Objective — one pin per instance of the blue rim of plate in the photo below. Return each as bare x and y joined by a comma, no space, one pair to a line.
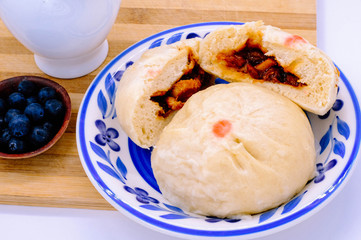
205,233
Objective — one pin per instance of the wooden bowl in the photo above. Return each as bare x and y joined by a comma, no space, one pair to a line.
8,86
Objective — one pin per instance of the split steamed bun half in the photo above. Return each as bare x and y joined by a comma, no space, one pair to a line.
156,86
272,58
234,149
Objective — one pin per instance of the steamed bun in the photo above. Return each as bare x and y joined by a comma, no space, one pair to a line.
234,149
293,53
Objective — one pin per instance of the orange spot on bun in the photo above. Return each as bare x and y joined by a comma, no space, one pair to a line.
222,128
294,39
152,73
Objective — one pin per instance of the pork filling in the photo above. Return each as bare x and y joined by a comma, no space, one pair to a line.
253,61
193,80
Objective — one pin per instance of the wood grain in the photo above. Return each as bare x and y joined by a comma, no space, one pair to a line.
56,178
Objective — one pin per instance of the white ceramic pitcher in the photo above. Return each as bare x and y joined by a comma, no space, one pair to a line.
67,37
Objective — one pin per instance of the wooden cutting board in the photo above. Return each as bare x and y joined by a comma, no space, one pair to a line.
56,178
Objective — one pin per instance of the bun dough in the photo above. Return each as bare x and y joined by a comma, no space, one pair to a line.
157,70
292,52
234,149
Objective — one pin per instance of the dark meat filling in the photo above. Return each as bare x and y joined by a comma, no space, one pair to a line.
191,82
253,61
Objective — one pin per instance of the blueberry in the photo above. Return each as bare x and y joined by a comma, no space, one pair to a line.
46,93
12,112
16,145
26,87
2,122
54,108
39,136
32,99
17,100
35,112
19,126
4,136
2,106
48,126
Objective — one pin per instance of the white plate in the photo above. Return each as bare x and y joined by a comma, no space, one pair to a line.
122,173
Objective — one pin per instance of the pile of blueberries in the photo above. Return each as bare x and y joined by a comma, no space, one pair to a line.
29,117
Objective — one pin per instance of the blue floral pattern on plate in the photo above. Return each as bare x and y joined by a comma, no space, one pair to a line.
121,171
106,136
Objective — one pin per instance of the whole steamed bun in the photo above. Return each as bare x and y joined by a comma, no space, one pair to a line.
234,149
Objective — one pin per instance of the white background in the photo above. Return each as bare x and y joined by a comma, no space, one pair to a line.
339,35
